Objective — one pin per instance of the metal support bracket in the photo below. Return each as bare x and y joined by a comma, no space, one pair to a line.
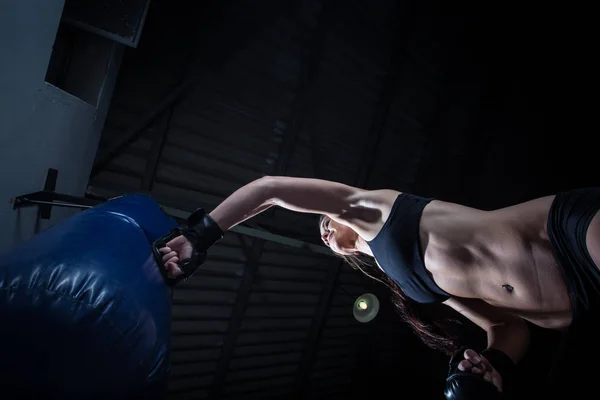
48,198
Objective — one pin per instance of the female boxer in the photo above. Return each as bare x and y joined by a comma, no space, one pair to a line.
534,261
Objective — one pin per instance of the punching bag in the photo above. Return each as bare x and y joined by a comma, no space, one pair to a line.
84,310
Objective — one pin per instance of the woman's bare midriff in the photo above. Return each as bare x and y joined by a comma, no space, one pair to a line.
503,257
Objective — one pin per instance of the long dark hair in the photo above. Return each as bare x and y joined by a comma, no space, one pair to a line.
436,334
427,321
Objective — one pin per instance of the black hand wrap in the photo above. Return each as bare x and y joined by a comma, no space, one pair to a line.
462,385
202,232
505,367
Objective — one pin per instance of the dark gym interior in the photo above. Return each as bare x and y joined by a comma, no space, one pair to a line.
483,105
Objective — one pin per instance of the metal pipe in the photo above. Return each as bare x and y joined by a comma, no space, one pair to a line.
54,203
257,233
180,214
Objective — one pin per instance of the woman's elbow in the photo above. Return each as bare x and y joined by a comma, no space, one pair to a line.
268,186
512,336
516,326
522,330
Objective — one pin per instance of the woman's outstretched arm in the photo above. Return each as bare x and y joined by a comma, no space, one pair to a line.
362,210
357,208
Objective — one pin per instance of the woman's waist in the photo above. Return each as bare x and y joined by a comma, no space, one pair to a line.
528,280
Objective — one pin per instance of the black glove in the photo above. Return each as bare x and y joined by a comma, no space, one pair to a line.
461,385
202,232
505,367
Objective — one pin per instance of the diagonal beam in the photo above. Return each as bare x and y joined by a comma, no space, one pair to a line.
305,91
237,316
374,137
314,155
135,130
160,137
316,330
382,110
162,128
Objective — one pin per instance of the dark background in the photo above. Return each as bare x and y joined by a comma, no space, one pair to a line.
486,106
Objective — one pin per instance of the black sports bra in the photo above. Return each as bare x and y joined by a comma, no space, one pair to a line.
397,249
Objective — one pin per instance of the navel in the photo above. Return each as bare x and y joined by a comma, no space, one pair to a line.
509,288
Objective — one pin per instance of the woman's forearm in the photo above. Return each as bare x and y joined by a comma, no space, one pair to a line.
243,204
304,195
512,338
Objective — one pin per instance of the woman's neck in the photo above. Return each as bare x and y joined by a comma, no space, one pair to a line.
363,247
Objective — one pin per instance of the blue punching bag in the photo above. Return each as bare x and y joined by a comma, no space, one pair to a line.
84,310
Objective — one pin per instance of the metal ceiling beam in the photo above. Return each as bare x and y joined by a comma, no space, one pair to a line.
237,316
305,90
260,234
380,115
135,130
163,124
316,330
160,137
382,110
50,199
322,308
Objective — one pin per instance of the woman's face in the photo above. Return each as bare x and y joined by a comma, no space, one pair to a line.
338,237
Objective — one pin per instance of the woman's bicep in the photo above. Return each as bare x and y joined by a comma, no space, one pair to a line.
334,199
359,208
312,195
